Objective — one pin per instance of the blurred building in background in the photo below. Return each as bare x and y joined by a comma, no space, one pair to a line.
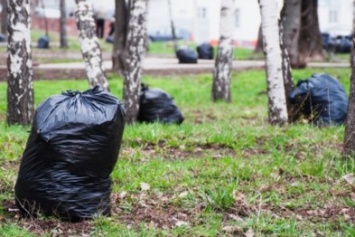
198,20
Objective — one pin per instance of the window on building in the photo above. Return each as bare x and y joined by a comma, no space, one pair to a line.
333,16
202,12
237,17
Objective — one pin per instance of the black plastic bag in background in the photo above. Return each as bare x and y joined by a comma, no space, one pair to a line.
43,42
186,55
205,51
70,153
322,99
157,106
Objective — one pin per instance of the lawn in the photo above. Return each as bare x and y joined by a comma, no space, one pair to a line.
223,172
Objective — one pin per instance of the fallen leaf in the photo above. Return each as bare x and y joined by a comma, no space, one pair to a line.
183,194
123,194
249,233
238,196
349,178
145,186
181,223
235,217
232,229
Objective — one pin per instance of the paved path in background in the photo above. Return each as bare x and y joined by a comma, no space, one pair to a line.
172,63
151,66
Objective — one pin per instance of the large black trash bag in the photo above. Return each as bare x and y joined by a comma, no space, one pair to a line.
186,55
205,51
70,153
43,42
3,38
157,106
322,99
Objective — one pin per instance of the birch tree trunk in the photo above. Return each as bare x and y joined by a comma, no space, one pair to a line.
259,42
293,113
224,59
173,34
63,25
19,64
89,42
349,139
120,34
3,17
273,55
45,18
134,55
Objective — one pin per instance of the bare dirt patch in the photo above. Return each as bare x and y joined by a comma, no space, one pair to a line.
182,153
40,227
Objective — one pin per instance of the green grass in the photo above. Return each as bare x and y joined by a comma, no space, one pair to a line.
225,166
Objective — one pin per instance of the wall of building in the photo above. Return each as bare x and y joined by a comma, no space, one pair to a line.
201,18
335,17
53,25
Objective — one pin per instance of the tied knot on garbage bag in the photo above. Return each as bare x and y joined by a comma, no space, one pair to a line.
321,99
71,151
157,106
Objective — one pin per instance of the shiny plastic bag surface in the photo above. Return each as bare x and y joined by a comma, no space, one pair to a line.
70,153
322,99
157,106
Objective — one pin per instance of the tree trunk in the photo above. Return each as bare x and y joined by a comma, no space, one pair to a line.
224,59
276,90
45,18
310,43
120,34
63,25
3,17
133,57
349,139
90,47
173,34
291,21
19,64
293,113
259,42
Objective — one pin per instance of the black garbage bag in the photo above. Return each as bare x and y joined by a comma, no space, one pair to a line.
186,55
157,106
3,38
322,99
109,39
205,51
43,42
70,153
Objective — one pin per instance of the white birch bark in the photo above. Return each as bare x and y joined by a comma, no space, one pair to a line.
133,57
224,59
89,43
19,64
271,42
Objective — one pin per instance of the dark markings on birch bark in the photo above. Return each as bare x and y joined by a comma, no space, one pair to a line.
133,55
19,63
293,113
90,47
224,59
